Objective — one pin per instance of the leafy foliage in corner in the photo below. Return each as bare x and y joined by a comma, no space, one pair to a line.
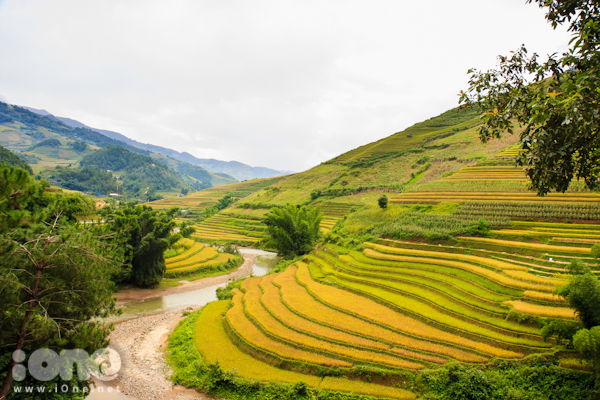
293,230
558,107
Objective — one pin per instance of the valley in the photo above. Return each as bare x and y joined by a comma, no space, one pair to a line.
458,272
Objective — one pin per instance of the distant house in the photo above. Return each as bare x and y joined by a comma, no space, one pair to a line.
409,135
114,194
100,203
184,211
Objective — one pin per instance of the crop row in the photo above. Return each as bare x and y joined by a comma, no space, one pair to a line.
299,301
537,246
481,271
205,254
214,345
467,282
541,311
417,281
274,328
365,307
195,249
458,320
219,260
272,302
251,334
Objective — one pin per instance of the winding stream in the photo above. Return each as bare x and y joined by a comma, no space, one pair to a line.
264,263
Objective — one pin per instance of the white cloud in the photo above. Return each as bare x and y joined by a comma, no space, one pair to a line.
282,84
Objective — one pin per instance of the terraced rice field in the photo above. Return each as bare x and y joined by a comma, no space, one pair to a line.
488,173
391,307
193,260
214,344
202,199
591,199
222,227
333,212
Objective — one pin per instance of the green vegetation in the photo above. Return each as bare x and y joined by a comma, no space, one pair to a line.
55,273
145,234
293,230
47,143
10,159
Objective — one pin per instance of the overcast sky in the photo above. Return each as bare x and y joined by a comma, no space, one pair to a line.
280,84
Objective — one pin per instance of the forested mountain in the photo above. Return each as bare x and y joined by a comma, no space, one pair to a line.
238,170
47,143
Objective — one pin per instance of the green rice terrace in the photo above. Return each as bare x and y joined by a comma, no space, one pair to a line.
393,294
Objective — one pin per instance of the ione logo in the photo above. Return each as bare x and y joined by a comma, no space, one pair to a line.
46,364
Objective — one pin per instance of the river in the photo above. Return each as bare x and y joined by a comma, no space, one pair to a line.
264,262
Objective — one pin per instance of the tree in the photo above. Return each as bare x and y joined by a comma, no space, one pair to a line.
383,201
583,294
556,101
145,234
55,275
587,343
293,230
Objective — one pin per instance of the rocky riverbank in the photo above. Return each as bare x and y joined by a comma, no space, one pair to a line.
144,373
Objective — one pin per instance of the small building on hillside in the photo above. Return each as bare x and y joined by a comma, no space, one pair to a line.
100,203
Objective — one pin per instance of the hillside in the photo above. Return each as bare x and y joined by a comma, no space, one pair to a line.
236,169
455,279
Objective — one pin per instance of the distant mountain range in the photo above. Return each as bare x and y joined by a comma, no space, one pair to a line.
238,170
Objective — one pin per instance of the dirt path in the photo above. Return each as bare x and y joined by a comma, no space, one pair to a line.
134,294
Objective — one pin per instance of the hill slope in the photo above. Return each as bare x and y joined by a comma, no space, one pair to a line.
454,278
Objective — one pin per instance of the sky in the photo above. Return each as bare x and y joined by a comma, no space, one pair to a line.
279,84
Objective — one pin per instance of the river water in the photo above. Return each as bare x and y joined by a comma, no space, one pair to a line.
264,263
